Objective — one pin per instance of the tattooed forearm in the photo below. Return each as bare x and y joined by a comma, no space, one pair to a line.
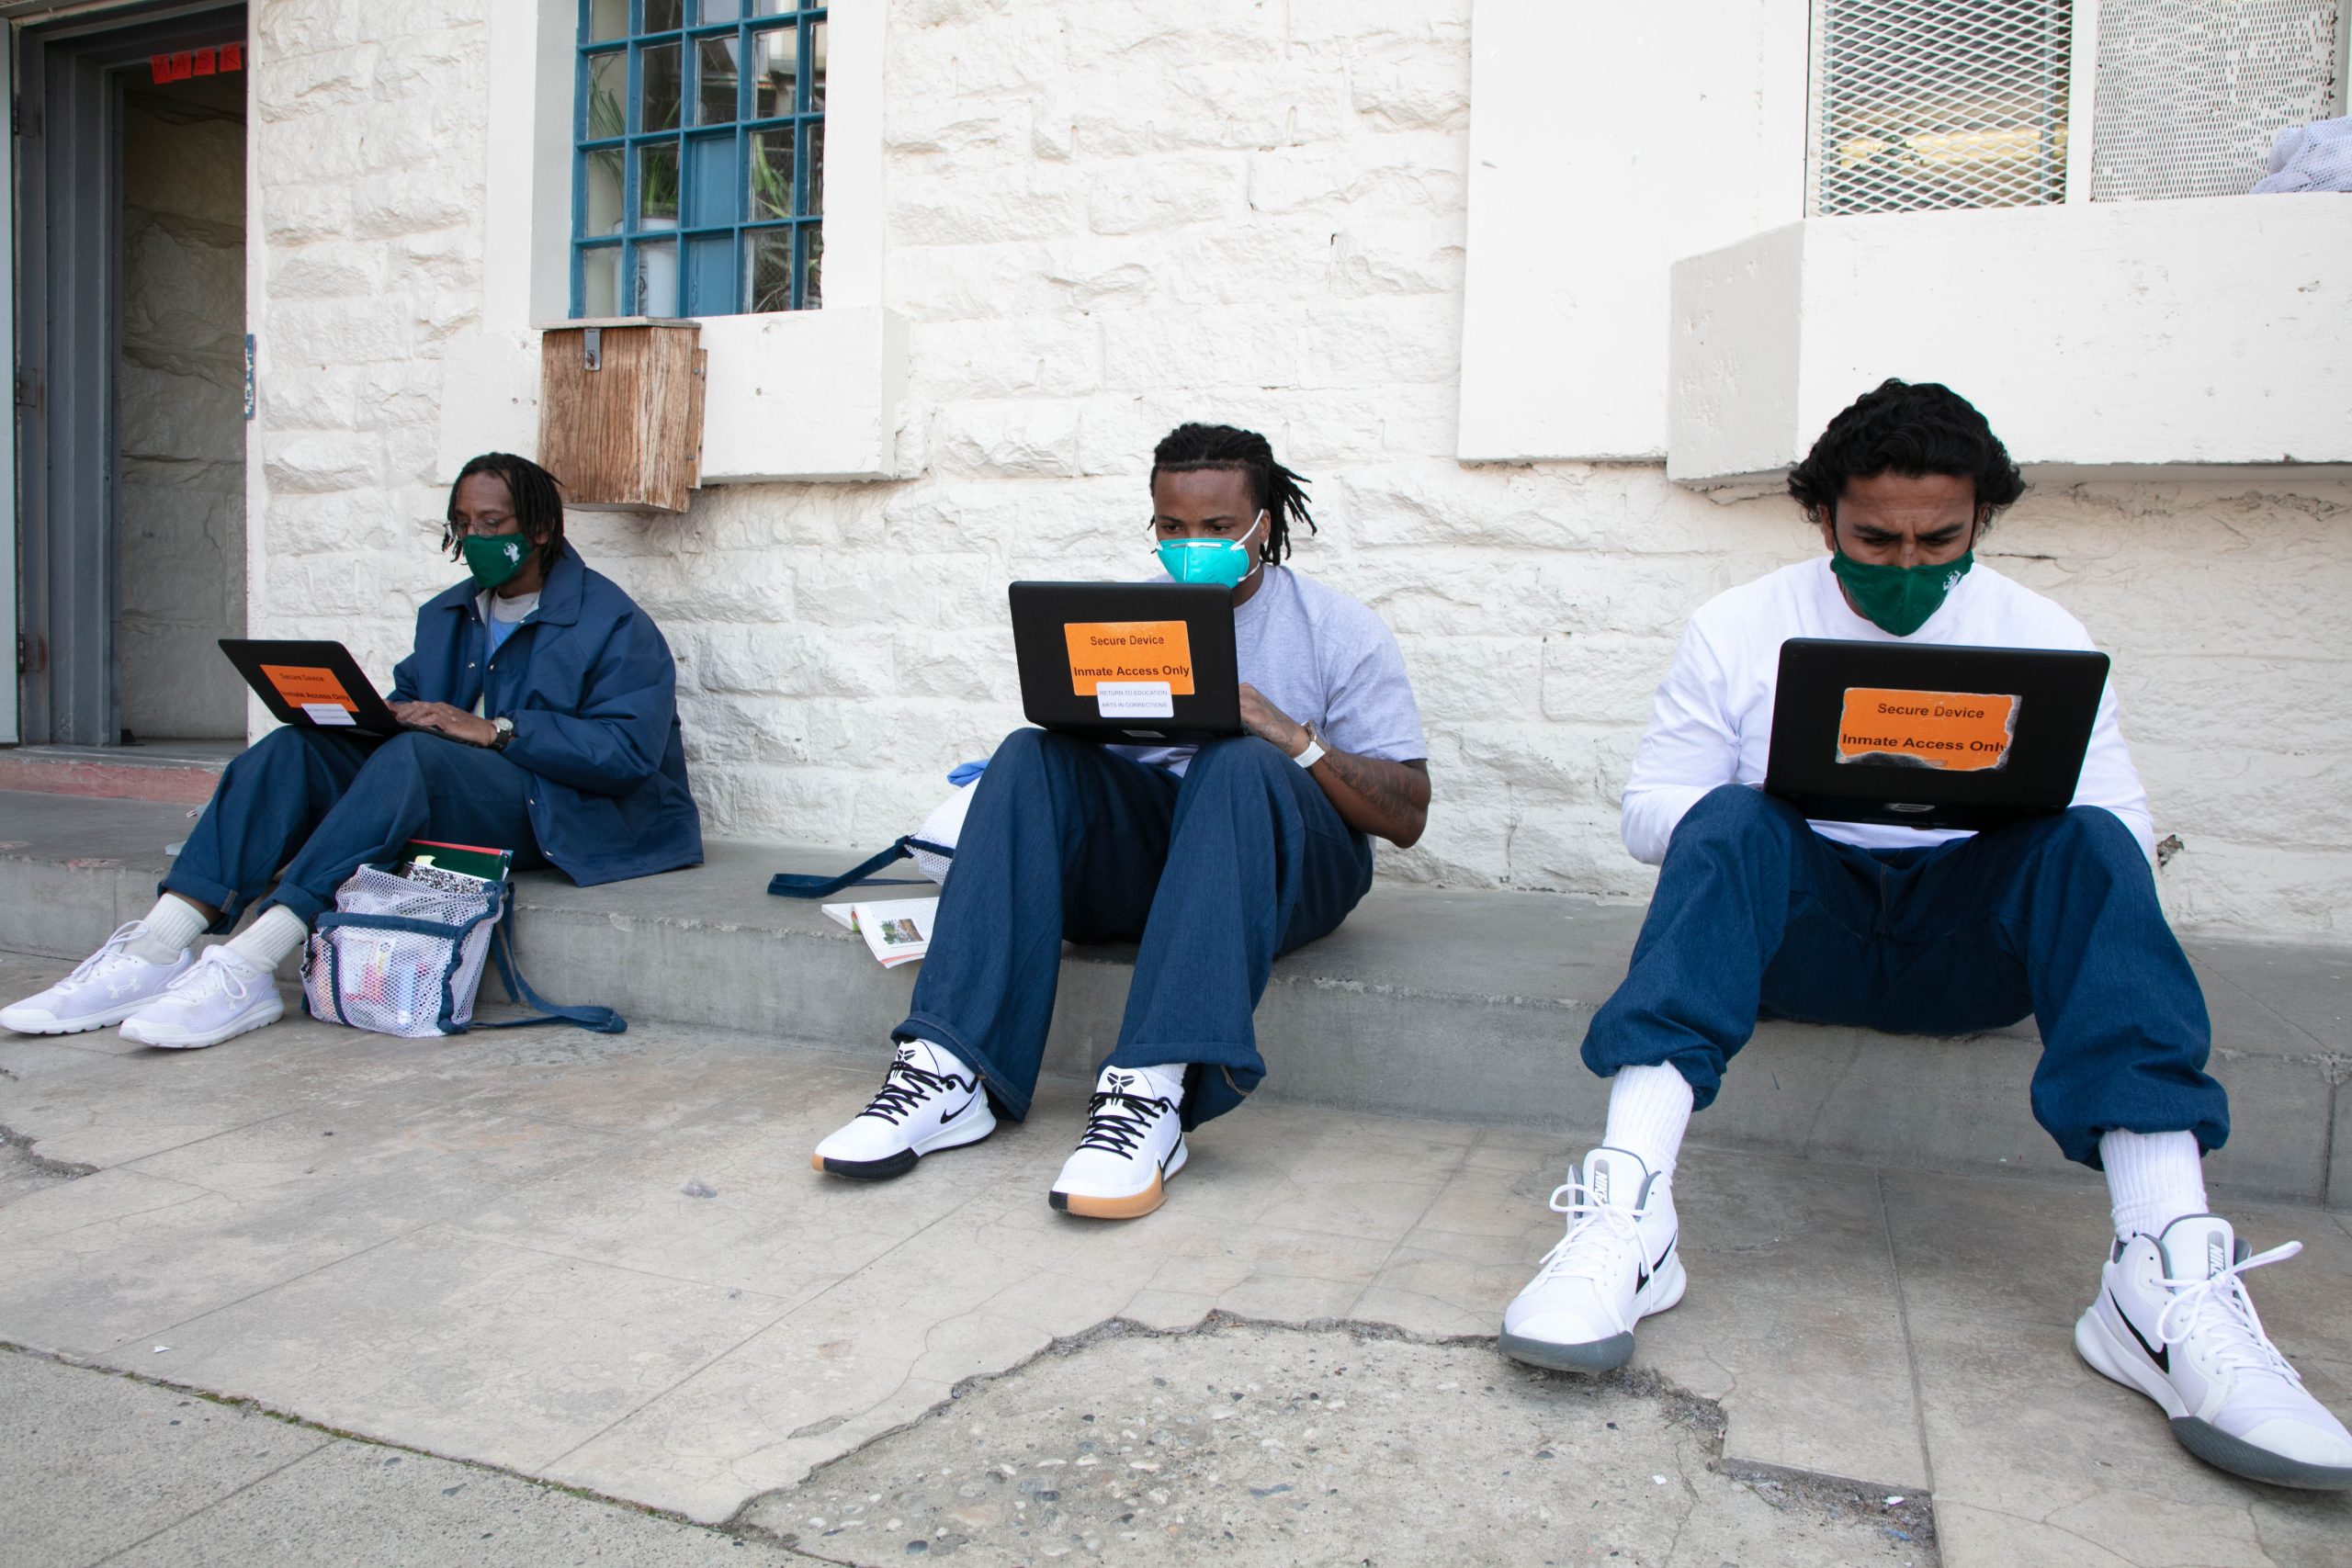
1395,795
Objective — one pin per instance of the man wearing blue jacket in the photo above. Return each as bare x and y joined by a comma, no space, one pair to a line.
545,715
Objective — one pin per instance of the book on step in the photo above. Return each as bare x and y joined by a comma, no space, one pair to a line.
897,930
456,868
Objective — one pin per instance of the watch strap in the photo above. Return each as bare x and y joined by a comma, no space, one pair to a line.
1314,752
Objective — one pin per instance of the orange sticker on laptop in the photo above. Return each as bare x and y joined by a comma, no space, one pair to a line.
300,683
1129,650
1958,732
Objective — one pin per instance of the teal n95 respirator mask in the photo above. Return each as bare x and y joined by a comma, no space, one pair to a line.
1223,562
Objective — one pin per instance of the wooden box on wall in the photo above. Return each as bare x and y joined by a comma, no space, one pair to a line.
620,413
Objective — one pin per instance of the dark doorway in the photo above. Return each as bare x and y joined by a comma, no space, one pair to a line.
131,172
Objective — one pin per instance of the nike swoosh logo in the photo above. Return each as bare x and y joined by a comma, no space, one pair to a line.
2163,1358
954,1114
1642,1274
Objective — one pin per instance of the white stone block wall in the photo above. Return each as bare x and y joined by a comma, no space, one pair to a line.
1108,216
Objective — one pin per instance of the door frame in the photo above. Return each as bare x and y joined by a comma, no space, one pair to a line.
64,261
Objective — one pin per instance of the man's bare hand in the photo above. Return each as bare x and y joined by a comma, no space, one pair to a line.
1269,723
443,719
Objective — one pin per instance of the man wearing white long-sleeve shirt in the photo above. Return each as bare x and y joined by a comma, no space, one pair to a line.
1759,912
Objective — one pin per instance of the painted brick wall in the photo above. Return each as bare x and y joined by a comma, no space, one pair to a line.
1108,216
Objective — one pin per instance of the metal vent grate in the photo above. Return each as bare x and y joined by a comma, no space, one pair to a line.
2190,92
1919,103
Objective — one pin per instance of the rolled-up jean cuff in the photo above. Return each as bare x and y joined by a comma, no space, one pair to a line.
1011,1099
228,900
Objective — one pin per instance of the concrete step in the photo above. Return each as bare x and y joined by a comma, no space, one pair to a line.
1427,1002
174,771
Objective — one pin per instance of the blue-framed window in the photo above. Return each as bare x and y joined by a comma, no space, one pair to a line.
698,180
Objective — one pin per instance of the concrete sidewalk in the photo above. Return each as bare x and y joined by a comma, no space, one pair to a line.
490,1249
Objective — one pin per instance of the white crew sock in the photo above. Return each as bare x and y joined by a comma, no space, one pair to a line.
1648,1110
168,930
1168,1082
271,939
2152,1178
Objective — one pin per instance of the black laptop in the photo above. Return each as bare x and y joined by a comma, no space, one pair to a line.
314,683
1142,663
1920,735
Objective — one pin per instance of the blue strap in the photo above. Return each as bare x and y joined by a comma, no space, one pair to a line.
794,885
596,1019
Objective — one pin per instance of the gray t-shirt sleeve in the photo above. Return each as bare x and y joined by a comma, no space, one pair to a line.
1369,707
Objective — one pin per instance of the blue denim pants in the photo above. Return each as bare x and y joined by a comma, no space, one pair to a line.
318,804
1757,915
1214,875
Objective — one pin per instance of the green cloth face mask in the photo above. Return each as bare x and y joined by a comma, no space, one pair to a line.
1899,599
494,558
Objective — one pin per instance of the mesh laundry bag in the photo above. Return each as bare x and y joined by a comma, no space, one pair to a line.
2316,157
403,957
931,847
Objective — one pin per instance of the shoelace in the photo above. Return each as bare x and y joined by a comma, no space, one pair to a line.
215,973
894,1099
1108,1130
2218,1301
104,959
1597,1233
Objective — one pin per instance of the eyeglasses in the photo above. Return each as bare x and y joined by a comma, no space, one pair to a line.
481,526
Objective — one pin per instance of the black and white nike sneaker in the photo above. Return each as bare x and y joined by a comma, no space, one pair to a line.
1133,1142
1616,1266
2174,1321
929,1101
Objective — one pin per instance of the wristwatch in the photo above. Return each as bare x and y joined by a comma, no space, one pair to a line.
505,728
1314,752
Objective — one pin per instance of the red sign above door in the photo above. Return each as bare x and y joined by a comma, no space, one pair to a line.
188,62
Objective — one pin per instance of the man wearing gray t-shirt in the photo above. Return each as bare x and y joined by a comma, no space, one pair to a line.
1213,860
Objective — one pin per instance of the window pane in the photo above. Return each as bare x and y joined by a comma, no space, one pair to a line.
774,7
710,276
658,83
600,195
768,269
775,64
811,296
719,11
607,19
714,183
715,74
772,174
607,93
657,186
816,169
664,16
600,281
657,278
816,65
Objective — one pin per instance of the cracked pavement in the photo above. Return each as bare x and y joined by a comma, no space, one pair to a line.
485,1249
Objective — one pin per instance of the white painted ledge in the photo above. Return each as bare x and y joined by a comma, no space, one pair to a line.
2135,340
804,395
809,395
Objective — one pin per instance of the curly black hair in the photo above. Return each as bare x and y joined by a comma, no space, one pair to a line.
537,496
1282,493
1910,429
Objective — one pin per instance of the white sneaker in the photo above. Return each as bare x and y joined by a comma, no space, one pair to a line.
1616,1266
1133,1142
104,990
218,997
2174,1321
929,1101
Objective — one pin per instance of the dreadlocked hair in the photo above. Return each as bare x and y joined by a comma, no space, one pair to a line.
1283,495
536,496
